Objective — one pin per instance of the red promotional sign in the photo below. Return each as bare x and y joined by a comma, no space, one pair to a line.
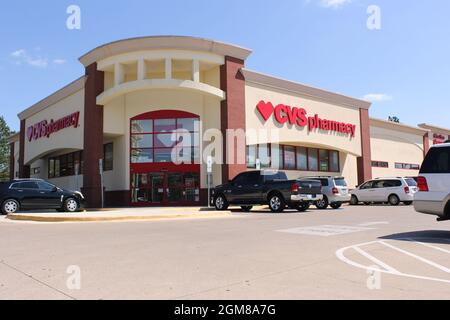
298,116
45,129
438,139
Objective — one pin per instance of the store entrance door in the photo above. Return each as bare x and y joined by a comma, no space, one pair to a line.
165,188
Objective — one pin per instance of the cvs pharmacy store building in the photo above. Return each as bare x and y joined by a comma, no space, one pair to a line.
136,92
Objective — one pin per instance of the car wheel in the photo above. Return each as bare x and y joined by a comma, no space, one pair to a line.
354,200
322,204
276,203
246,208
394,200
71,205
408,203
336,205
221,203
10,206
302,207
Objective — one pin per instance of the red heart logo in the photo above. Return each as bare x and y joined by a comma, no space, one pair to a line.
30,134
265,109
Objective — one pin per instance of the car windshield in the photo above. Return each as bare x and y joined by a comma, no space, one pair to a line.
411,182
340,182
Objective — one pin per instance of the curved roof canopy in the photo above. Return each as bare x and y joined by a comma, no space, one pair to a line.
163,42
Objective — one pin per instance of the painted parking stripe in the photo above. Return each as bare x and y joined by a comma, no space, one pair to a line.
375,260
340,254
369,224
431,263
430,246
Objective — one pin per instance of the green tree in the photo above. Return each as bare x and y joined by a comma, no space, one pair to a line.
5,132
394,119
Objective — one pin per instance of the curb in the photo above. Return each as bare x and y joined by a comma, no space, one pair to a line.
37,218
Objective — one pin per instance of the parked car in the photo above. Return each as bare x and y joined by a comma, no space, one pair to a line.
29,194
335,192
267,188
391,190
434,183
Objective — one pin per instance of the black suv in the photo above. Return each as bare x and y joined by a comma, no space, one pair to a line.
29,194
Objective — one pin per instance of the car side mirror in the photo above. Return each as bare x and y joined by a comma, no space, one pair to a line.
55,189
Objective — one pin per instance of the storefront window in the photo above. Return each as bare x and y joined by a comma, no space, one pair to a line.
277,156
141,126
168,141
264,155
302,159
289,158
324,157
251,157
165,125
313,159
334,161
65,165
108,156
142,140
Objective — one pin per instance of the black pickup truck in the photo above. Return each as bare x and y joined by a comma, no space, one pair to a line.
268,187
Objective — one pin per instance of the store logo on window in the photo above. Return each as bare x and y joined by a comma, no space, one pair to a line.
283,114
45,128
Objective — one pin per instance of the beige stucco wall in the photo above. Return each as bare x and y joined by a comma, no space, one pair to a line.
350,148
117,115
68,138
393,146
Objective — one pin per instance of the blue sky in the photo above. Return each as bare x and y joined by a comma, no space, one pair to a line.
404,67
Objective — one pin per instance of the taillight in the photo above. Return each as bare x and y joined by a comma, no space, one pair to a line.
406,189
422,184
295,187
335,191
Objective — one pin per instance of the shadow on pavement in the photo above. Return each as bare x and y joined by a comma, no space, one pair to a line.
431,236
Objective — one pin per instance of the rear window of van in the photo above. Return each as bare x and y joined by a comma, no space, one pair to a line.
437,161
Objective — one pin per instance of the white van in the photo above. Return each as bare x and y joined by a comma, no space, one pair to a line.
434,183
391,190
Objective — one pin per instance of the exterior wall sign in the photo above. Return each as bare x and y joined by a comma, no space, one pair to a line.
45,128
298,116
438,139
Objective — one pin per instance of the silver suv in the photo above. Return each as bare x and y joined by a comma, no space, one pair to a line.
434,183
335,192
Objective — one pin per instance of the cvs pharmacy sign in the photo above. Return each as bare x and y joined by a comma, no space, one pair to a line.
283,114
46,128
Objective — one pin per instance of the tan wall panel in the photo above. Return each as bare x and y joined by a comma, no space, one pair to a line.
395,146
68,138
293,134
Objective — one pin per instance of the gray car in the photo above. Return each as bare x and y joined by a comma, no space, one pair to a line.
335,192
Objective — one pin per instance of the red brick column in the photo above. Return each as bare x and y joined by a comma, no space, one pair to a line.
11,161
24,171
426,143
364,162
232,110
93,137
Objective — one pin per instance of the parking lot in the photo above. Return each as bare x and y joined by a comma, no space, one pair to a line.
361,252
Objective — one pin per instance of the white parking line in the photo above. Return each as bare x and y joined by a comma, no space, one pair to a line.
368,224
375,260
389,270
429,246
431,263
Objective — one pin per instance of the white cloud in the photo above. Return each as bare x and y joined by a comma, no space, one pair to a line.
59,61
21,56
377,97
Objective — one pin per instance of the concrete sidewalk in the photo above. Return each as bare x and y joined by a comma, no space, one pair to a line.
119,214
